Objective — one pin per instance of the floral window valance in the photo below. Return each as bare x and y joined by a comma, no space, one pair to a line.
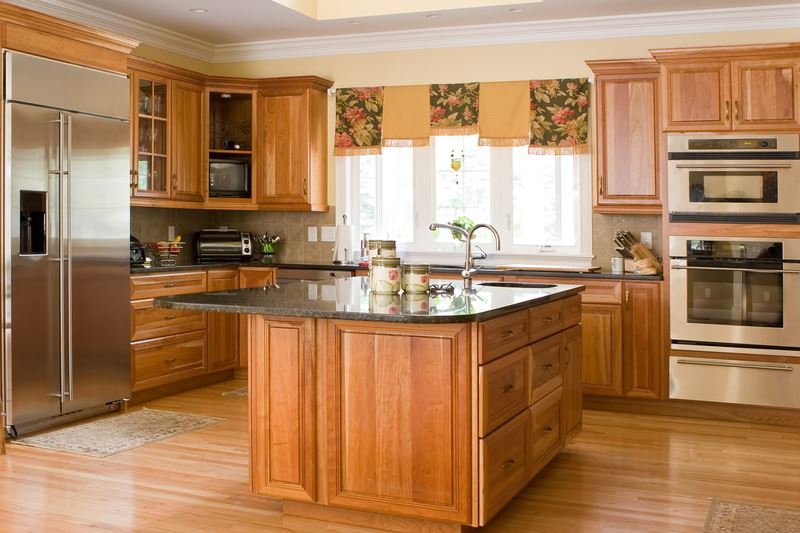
558,117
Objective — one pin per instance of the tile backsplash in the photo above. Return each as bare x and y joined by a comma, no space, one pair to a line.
150,224
604,226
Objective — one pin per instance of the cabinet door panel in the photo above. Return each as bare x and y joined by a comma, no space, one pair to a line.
628,141
186,135
281,385
223,328
766,94
398,403
696,96
149,131
250,277
642,343
602,349
573,395
285,149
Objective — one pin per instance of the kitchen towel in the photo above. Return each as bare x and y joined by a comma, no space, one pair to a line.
343,246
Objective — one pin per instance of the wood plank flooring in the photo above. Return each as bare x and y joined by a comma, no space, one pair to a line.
625,472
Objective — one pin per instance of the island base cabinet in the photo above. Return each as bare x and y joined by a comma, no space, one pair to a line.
398,403
281,385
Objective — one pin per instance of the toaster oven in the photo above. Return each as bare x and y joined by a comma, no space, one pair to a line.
212,245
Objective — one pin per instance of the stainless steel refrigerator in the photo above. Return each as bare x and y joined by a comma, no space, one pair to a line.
66,224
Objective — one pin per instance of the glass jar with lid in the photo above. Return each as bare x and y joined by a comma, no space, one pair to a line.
384,275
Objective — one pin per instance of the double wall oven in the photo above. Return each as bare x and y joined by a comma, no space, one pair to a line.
735,300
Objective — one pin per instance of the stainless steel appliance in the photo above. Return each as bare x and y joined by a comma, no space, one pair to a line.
228,178
740,294
734,178
66,228
223,245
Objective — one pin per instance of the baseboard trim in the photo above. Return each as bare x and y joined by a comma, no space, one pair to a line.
180,386
691,409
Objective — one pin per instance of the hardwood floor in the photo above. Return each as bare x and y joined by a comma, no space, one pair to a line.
625,472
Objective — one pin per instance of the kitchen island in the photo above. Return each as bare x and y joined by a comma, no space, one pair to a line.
410,412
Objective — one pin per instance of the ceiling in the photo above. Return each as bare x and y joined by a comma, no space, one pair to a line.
244,21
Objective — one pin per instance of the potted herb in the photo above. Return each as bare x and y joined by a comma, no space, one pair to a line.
267,245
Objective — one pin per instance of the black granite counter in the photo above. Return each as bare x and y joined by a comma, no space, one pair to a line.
351,299
438,269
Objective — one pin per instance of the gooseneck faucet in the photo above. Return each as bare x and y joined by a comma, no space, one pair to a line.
469,261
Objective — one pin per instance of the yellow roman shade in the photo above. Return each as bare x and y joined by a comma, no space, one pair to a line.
406,115
505,114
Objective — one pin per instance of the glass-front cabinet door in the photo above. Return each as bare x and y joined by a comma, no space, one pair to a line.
150,129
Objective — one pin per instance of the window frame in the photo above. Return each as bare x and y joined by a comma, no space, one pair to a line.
425,248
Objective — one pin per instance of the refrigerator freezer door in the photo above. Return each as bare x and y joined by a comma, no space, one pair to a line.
98,270
33,289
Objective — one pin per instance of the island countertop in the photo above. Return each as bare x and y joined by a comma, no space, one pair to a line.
351,299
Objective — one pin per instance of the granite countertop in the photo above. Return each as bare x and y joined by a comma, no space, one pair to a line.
441,269
351,299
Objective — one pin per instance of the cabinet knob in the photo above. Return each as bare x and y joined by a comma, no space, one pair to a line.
547,430
508,463
547,366
600,185
736,109
170,360
508,388
727,110
627,297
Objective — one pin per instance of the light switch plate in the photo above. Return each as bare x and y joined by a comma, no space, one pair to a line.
170,233
328,234
647,238
312,234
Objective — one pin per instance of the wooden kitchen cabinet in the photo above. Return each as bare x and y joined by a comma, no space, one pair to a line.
628,147
149,133
602,349
223,328
292,140
571,369
282,391
186,162
733,88
642,340
250,277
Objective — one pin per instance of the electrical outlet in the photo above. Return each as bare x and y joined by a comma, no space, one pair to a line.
312,234
328,234
170,233
647,238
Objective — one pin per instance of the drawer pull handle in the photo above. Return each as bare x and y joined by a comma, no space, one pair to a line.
507,333
169,285
508,388
171,360
547,430
548,319
508,463
547,366
170,317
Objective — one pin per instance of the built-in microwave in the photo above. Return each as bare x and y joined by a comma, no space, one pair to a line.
734,178
228,178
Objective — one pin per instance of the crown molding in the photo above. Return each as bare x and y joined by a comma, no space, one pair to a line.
671,23
143,32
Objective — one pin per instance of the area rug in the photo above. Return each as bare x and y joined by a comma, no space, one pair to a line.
115,434
732,517
238,393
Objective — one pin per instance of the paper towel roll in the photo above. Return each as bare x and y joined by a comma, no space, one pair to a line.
344,243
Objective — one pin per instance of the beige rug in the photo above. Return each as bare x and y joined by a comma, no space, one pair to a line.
115,434
732,517
237,393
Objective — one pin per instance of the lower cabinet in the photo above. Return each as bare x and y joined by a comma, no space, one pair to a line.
602,349
223,328
168,359
250,277
571,367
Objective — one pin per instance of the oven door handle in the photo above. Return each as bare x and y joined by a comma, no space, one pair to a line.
733,167
757,366
755,270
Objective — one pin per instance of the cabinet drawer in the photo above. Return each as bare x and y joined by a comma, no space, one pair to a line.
503,464
546,433
149,322
503,389
602,292
571,311
154,285
545,370
545,320
168,359
503,335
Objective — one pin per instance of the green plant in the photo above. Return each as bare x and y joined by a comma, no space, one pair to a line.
463,222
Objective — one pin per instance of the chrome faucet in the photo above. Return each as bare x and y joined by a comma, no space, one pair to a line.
469,261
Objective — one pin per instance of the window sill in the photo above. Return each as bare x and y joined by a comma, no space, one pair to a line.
496,259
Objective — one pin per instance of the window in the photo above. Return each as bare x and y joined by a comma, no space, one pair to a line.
538,203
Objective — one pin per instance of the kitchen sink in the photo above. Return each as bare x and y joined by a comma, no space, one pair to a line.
518,284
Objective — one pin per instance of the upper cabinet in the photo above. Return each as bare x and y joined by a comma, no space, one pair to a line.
628,146
292,140
167,153
739,88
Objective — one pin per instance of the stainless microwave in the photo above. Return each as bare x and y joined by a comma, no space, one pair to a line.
228,178
734,178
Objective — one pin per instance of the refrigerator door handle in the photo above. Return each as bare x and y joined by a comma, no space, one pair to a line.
68,278
61,256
